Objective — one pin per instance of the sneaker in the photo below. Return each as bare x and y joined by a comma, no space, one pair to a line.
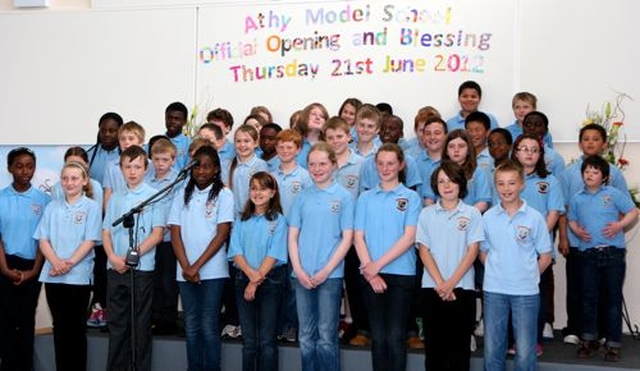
571,339
539,350
290,335
231,332
359,340
472,345
547,331
588,349
612,354
98,317
479,331
414,342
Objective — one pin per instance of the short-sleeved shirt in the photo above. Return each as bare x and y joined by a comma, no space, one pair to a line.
457,122
291,186
182,143
374,149
113,178
198,223
484,160
20,213
304,152
516,130
479,188
553,160
241,177
227,151
66,227
370,179
448,234
426,167
273,163
383,216
321,216
151,217
100,160
513,244
164,202
57,193
594,210
348,175
258,238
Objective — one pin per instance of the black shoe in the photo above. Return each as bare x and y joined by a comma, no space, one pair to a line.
612,354
588,348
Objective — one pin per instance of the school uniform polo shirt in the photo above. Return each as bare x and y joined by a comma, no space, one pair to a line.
553,160
513,244
113,178
100,161
484,160
57,193
426,167
67,226
20,213
198,223
479,188
273,163
151,217
182,143
370,179
593,211
321,216
348,175
227,152
383,216
164,202
257,238
241,177
291,185
447,235
457,122
516,131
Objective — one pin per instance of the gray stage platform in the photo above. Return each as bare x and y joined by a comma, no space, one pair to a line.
169,355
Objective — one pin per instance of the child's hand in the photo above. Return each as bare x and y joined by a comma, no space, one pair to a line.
58,267
26,276
611,229
12,274
305,280
191,274
250,292
369,270
378,284
118,263
255,276
582,234
319,278
445,290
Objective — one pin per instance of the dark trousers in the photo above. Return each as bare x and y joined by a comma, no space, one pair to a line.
119,309
230,315
99,277
68,304
17,318
354,294
388,313
448,326
573,267
165,287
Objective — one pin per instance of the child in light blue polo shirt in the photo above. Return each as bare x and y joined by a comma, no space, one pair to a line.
106,150
595,217
292,178
68,232
175,117
320,234
517,248
434,135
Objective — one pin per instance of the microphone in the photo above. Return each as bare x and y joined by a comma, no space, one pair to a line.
195,162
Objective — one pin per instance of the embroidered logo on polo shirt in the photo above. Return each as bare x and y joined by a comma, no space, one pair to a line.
606,200
334,207
272,227
463,223
401,203
522,233
209,207
79,217
296,187
36,209
542,187
352,181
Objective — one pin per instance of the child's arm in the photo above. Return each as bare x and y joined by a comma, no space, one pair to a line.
222,233
12,274
430,265
58,266
563,236
445,289
117,262
544,260
336,258
80,252
32,273
180,252
267,264
579,231
482,206
106,196
404,243
149,243
552,219
612,228
377,283
294,257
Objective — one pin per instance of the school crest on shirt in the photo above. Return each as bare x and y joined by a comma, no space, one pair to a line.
606,200
334,207
272,227
542,187
463,223
36,209
522,233
79,217
401,203
296,187
209,208
352,181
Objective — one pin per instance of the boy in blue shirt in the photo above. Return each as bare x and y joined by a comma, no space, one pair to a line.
149,226
175,117
224,120
594,216
517,248
469,97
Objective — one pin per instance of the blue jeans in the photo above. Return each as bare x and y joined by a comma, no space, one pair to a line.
603,272
319,316
388,314
524,312
201,304
259,319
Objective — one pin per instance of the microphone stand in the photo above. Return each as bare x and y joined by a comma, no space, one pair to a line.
133,254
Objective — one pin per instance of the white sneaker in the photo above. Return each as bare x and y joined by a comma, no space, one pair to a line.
547,331
473,345
230,331
571,339
479,331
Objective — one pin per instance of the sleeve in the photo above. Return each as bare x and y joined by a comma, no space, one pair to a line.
485,245
225,206
543,240
413,175
43,230
295,216
94,219
555,201
348,211
106,181
109,216
235,242
422,229
361,210
482,186
277,248
476,228
176,208
618,180
415,205
623,201
573,208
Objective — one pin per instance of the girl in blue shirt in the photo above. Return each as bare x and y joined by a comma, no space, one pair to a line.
385,229
259,251
320,234
21,207
200,221
67,233
106,149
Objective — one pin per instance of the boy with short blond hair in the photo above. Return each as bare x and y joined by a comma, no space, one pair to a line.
129,134
523,103
368,119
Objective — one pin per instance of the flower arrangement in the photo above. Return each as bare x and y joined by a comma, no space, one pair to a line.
611,117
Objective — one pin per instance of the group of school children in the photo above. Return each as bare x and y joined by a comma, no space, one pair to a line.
281,221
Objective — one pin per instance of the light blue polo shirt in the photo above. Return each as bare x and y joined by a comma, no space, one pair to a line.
182,143
457,122
291,186
426,167
198,223
447,235
348,175
593,211
543,194
66,227
383,216
273,163
484,160
572,183
227,152
241,180
257,238
164,202
513,245
20,213
321,216
101,160
151,217
479,188
516,131
57,193
113,178
554,162
374,149
304,152
370,179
